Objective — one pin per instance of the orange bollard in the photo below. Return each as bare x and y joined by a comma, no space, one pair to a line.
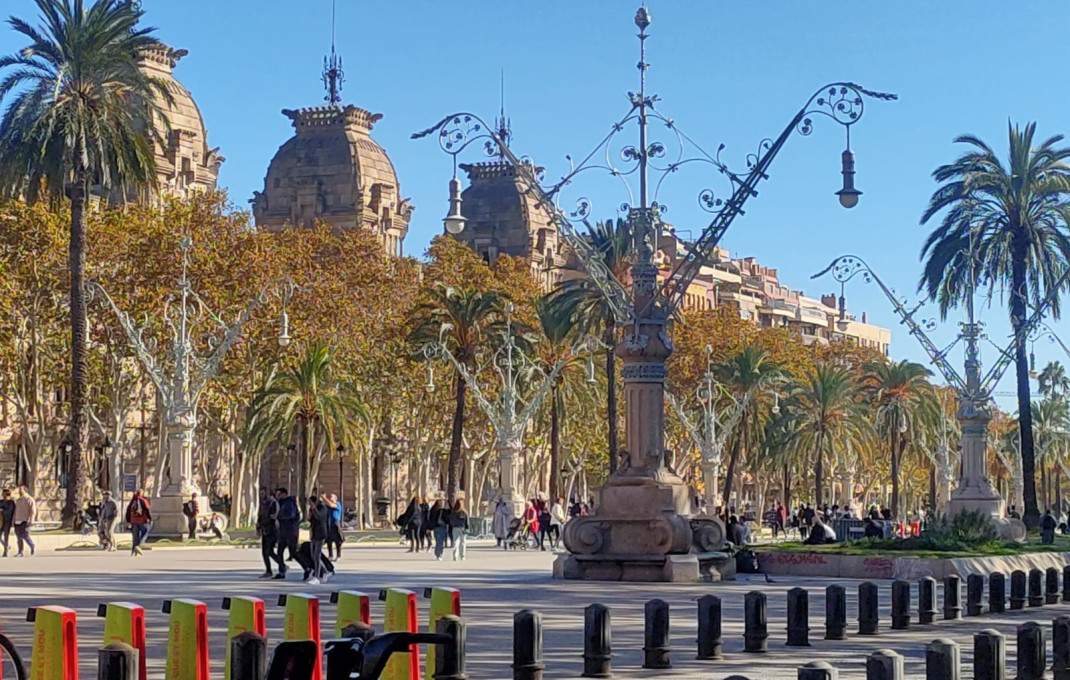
187,640
444,602
246,616
302,622
55,643
125,622
353,607
401,617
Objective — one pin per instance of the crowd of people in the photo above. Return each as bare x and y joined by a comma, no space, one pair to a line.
278,524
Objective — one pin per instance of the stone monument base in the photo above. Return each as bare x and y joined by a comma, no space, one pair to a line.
1009,529
167,518
639,568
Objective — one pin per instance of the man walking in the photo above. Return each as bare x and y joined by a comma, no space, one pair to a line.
25,516
7,518
109,512
289,519
319,524
191,509
267,527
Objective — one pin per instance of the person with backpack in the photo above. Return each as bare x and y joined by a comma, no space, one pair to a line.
459,524
139,517
106,516
439,520
267,528
319,524
289,519
191,509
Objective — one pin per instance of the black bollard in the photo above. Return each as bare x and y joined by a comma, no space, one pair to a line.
1051,586
798,618
926,600
1032,653
952,598
248,656
884,664
450,661
709,628
1060,648
1018,586
989,655
975,590
755,623
1066,583
527,645
835,613
868,608
997,592
900,605
656,635
1036,588
818,670
942,660
597,642
117,661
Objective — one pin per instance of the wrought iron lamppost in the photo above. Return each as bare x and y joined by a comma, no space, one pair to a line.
508,413
645,508
181,384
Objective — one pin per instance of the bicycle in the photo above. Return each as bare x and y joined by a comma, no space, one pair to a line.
8,649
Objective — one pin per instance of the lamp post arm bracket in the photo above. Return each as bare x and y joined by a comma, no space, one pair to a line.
135,337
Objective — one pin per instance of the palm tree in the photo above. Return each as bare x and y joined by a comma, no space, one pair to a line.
903,402
1053,381
460,320
77,116
310,401
745,375
1051,421
559,346
827,411
584,302
1003,226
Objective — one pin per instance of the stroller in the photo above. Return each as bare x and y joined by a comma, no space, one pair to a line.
520,535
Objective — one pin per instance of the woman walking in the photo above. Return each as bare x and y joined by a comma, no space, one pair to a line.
334,531
557,523
499,526
138,516
439,517
459,524
411,525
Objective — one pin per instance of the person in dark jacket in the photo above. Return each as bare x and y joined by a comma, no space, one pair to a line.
334,536
459,524
319,525
1048,525
267,528
425,512
410,523
7,518
308,564
289,527
439,518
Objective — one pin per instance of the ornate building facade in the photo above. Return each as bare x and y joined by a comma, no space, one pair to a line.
333,171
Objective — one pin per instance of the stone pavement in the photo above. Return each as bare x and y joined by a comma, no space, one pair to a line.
494,584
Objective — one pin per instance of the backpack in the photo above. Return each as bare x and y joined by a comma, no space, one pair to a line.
747,562
288,510
187,509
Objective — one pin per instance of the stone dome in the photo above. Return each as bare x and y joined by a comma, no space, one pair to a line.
333,171
186,162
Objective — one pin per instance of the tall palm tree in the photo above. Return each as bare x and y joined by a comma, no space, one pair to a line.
1053,381
584,302
77,115
308,400
1051,421
745,374
903,402
1003,226
827,411
461,320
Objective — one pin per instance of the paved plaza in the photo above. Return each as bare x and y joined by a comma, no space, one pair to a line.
494,586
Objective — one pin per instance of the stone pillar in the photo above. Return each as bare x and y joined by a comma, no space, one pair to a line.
835,613
1018,589
527,645
989,655
1066,583
884,664
656,635
798,618
975,588
709,628
167,518
868,608
952,598
755,626
818,670
974,491
926,600
1051,586
709,483
900,605
597,642
997,592
1036,588
508,478
1032,652
1060,648
942,660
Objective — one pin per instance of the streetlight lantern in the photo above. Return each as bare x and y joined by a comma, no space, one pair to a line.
454,222
848,194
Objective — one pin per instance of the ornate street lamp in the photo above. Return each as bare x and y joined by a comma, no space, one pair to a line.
181,385
645,508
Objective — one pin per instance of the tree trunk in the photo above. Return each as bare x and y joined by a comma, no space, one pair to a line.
556,406
610,339
895,470
733,460
932,488
787,486
76,473
819,469
1031,515
1043,486
453,465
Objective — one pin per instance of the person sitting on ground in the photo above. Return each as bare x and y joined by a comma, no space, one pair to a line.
820,534
871,529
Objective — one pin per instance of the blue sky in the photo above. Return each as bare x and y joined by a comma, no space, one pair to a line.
731,72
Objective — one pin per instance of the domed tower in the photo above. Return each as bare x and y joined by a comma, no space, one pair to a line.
185,163
334,172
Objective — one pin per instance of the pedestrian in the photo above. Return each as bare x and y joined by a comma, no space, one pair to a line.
334,531
499,525
138,516
191,509
425,523
544,523
557,523
573,508
1048,524
106,516
780,521
411,525
531,520
289,519
7,518
267,528
439,520
308,564
25,516
319,527
459,524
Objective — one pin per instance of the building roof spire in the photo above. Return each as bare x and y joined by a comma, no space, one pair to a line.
502,123
333,75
